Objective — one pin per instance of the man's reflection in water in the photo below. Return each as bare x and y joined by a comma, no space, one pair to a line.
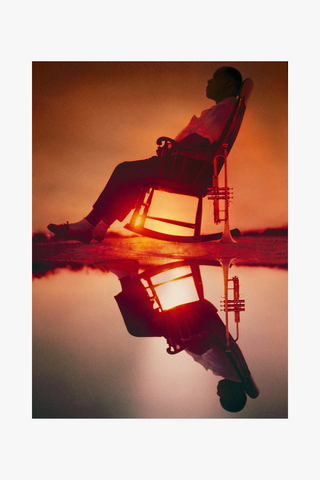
194,327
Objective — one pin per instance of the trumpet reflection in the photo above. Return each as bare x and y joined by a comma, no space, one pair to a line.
169,301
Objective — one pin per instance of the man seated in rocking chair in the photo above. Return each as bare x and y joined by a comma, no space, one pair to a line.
203,332
120,194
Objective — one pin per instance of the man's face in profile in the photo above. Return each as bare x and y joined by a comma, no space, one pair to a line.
216,85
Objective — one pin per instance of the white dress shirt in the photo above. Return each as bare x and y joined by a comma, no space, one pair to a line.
211,122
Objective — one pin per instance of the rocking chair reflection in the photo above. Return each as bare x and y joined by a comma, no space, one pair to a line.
199,188
153,280
190,323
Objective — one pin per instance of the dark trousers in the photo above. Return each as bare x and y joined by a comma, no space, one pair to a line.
121,192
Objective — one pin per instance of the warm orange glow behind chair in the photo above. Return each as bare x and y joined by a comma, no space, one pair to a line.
217,157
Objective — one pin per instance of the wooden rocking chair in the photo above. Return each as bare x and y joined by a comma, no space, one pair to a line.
198,189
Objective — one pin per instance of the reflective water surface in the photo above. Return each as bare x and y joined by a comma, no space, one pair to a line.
87,365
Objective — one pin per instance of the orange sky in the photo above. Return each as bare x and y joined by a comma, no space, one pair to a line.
90,116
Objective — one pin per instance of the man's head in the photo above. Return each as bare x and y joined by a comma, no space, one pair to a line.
232,395
225,83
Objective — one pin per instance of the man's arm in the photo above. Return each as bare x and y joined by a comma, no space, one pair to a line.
195,140
193,145
197,146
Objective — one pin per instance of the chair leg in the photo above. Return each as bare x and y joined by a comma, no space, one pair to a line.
197,227
141,208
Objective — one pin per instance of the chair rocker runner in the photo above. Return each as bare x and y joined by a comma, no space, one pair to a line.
217,157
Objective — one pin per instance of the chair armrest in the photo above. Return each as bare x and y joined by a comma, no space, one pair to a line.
167,140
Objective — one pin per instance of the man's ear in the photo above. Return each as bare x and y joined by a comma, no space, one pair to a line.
229,83
230,87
